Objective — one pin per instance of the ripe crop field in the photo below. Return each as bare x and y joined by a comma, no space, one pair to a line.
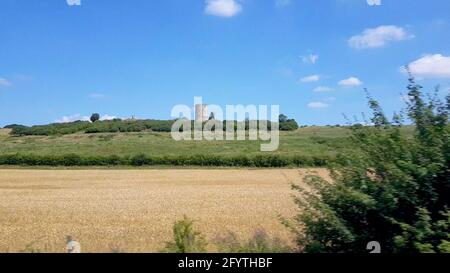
134,210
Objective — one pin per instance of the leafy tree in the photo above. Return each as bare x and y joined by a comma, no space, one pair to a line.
95,117
282,118
287,124
396,192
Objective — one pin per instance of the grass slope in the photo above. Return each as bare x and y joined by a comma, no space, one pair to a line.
309,142
305,141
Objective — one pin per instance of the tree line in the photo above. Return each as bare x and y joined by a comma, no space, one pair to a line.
118,125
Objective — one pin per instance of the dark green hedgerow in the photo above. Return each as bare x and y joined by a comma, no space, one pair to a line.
123,126
259,161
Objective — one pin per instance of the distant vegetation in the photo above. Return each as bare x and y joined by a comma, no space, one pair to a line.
107,126
12,126
118,125
51,129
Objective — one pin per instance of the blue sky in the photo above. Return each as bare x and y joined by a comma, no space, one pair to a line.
123,58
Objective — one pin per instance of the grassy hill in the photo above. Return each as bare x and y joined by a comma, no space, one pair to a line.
305,143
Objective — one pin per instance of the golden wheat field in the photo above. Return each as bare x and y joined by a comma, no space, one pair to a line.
134,210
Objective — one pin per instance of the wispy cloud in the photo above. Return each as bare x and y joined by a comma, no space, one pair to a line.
350,82
310,59
72,118
23,78
223,8
107,117
318,105
285,72
322,89
379,37
374,2
312,78
77,117
4,82
73,2
282,3
430,66
405,98
97,96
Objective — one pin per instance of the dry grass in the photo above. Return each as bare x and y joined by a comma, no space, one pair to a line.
134,209
5,132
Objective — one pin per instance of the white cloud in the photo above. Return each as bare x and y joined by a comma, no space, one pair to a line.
350,82
4,82
374,2
76,117
312,78
72,118
406,98
322,89
379,37
222,8
311,58
431,66
73,2
282,3
317,105
107,117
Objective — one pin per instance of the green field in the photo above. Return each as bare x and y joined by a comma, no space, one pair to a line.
306,141
309,144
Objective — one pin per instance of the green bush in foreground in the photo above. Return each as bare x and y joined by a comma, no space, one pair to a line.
396,192
186,239
259,243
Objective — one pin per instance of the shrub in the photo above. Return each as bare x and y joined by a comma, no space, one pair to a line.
396,191
185,238
259,243
139,160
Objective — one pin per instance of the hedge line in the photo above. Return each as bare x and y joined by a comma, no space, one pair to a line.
117,125
259,161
